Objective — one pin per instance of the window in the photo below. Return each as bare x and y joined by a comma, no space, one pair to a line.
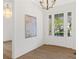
69,25
59,24
50,24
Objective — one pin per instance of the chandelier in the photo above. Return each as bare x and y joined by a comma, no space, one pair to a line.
47,4
7,11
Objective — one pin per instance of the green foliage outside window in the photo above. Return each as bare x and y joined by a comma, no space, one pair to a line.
59,22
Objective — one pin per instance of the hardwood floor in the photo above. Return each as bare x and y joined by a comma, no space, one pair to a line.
43,52
50,52
7,50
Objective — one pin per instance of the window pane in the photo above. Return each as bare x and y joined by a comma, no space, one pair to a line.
50,24
59,24
69,25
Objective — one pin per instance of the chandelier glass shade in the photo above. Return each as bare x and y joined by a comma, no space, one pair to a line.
7,11
47,4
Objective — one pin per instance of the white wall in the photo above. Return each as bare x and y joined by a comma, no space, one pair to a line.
60,41
20,44
7,25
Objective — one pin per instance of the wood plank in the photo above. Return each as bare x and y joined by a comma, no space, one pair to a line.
7,50
50,52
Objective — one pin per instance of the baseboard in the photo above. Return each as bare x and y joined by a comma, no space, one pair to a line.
7,41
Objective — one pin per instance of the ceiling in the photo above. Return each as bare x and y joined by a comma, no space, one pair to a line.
58,2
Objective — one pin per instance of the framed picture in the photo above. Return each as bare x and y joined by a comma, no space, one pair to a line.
30,26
